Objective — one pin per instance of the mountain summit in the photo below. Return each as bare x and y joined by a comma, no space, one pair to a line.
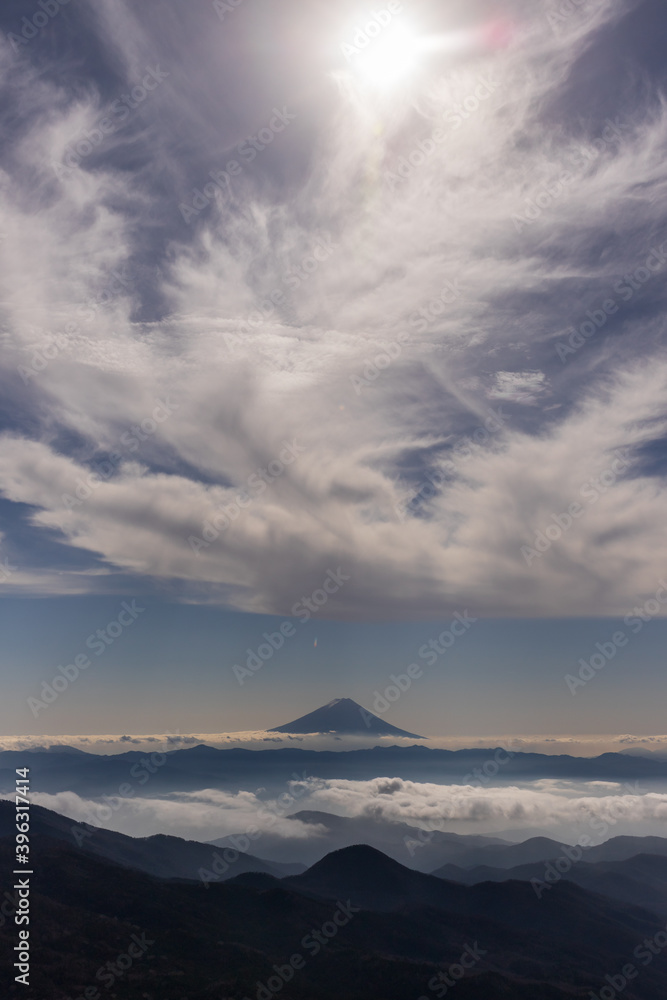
343,716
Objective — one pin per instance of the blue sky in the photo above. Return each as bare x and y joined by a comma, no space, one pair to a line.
292,294
172,670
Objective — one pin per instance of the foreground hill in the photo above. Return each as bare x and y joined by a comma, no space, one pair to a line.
362,927
231,941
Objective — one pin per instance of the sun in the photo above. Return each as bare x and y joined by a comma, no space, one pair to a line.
391,59
382,52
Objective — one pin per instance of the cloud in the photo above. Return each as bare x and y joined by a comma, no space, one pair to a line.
583,745
520,387
204,815
177,375
561,807
542,803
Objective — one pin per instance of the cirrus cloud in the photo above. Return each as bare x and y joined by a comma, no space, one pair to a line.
256,338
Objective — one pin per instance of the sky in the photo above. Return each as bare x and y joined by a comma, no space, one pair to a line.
348,320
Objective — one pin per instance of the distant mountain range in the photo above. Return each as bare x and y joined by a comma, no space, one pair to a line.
234,769
343,717
639,879
400,841
358,924
430,850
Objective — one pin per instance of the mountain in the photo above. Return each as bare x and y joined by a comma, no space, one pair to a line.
343,716
234,769
430,851
407,844
503,855
374,882
359,925
640,880
542,849
620,848
160,855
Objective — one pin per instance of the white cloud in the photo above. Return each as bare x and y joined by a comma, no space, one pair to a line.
243,386
205,815
561,808
542,803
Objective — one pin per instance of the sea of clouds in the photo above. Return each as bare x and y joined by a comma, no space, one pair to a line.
560,809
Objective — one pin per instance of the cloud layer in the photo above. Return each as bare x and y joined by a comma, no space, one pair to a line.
411,319
559,808
578,746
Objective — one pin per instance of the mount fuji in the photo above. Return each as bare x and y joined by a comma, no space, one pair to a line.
345,717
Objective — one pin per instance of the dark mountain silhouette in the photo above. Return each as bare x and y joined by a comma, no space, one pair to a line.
226,941
343,716
374,881
161,855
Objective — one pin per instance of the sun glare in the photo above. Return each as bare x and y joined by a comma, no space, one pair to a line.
382,51
385,50
391,58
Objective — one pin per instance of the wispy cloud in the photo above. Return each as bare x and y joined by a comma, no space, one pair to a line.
199,320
